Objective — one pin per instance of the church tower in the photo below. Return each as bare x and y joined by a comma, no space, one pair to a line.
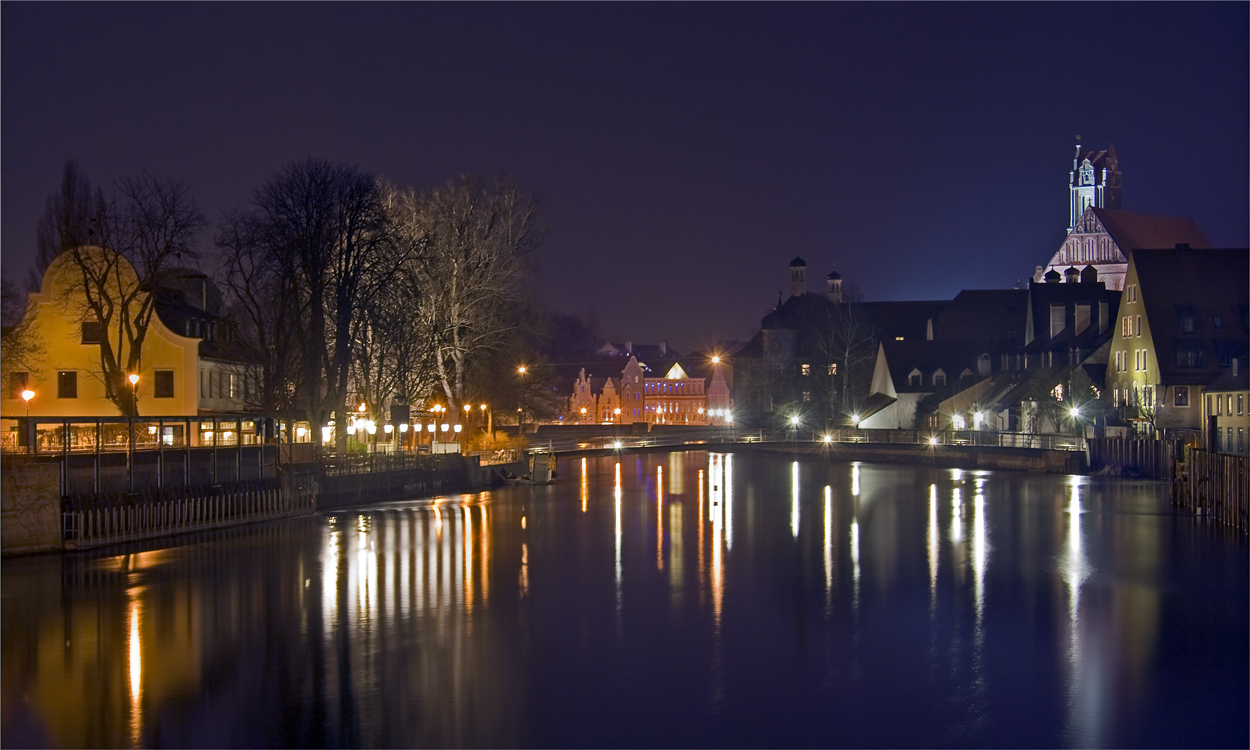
1093,181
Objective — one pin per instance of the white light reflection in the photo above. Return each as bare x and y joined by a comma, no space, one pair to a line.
1081,724
794,502
716,511
933,547
855,479
957,512
828,549
980,552
616,492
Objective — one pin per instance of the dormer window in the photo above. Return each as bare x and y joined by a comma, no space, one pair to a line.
1186,319
915,378
939,378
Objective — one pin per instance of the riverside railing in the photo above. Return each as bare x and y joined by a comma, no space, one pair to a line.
96,520
716,436
1216,485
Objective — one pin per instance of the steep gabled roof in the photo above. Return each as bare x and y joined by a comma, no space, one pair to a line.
952,357
1197,283
1042,296
1133,231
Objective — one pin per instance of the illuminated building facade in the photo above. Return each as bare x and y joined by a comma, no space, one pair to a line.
190,362
674,399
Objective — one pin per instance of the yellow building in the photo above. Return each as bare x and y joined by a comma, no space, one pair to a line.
1225,411
174,378
1182,321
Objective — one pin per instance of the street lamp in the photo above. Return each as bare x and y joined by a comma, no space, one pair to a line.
134,392
27,395
521,418
130,449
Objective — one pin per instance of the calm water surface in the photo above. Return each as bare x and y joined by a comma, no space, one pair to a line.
684,599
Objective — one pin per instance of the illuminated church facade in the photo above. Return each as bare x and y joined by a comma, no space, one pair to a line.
1100,234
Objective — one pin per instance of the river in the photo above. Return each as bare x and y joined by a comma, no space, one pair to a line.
666,599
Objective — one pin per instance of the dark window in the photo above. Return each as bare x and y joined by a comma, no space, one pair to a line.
1181,397
1217,321
92,332
1190,355
1186,318
18,382
164,384
67,384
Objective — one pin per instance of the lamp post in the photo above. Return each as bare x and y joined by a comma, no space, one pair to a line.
521,418
27,395
468,410
130,446
489,421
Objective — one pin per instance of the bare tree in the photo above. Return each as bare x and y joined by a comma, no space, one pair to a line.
19,349
846,345
324,229
119,248
471,274
265,307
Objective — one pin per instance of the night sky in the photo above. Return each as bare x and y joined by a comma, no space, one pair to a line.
684,153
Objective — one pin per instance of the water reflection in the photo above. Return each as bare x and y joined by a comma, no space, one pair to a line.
933,548
794,499
497,619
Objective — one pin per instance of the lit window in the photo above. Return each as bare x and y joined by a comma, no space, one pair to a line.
1058,392
833,369
806,369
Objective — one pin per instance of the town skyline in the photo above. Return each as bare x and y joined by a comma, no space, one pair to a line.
681,171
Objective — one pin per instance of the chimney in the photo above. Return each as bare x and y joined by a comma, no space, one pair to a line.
663,347
1236,362
928,330
629,347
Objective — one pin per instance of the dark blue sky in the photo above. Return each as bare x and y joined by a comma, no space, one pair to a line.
685,153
